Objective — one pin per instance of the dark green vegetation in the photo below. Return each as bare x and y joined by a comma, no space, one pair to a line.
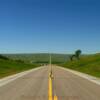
3,57
88,64
39,58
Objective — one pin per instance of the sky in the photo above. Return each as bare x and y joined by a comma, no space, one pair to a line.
51,26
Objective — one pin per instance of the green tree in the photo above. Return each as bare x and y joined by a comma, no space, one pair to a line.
78,53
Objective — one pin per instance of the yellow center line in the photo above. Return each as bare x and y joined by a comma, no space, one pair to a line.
55,98
50,89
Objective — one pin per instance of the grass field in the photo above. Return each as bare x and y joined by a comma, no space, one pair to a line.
9,67
87,64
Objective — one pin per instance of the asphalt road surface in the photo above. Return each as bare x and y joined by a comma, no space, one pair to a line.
65,85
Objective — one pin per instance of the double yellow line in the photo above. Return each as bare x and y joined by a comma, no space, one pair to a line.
50,90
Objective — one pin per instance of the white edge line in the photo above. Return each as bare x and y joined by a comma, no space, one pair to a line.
11,78
83,75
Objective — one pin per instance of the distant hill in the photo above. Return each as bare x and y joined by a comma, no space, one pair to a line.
39,57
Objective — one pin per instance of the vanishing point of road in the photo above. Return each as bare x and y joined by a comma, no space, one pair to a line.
40,85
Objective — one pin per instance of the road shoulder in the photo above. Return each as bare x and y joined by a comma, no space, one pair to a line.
11,78
83,75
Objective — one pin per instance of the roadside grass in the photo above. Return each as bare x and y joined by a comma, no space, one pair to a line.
87,64
9,67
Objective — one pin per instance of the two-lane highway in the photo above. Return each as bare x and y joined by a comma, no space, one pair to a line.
36,85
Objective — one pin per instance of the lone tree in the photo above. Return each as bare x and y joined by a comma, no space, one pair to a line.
78,53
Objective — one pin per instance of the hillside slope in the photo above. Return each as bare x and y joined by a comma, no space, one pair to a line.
89,64
8,67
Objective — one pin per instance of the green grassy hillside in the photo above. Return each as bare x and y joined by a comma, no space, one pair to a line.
87,64
8,67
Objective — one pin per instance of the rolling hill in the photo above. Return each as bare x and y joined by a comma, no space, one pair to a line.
39,57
